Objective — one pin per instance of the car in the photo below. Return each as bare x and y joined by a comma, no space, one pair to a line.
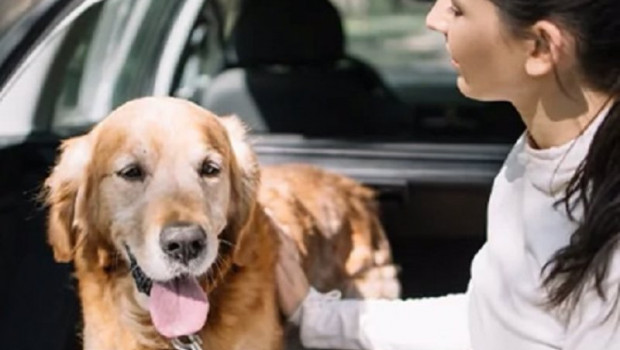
359,87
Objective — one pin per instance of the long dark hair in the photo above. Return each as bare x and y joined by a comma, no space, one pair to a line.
596,184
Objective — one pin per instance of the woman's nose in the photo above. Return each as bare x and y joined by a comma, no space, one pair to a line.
438,17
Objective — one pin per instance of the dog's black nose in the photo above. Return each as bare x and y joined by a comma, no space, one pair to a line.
183,241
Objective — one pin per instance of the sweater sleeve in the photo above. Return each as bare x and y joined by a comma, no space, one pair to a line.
439,323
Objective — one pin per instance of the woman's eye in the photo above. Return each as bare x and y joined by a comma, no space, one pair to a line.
455,11
133,172
209,169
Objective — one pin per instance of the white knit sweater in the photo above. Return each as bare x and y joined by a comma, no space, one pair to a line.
504,306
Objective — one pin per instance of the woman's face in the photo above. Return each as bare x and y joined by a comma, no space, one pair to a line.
490,62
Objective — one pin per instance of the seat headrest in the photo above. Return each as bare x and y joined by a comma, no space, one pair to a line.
286,32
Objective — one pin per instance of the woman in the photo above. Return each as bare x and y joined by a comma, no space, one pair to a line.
548,276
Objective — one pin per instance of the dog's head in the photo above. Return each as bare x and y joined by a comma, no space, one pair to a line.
160,181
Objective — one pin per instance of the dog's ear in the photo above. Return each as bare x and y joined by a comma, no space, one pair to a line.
245,175
63,189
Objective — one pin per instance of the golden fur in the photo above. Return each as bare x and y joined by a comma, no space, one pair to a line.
334,223
94,212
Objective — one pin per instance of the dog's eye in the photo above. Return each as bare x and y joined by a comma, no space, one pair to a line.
209,169
132,172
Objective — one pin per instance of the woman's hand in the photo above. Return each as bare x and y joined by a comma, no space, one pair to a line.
291,280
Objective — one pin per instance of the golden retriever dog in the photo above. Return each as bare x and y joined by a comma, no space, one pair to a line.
174,240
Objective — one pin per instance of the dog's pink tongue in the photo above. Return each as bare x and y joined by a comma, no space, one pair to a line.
178,307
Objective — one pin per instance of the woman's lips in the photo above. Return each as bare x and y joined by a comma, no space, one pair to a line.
452,61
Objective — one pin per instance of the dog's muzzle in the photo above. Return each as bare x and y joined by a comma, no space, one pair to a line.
144,285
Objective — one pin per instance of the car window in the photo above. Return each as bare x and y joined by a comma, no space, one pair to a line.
105,56
111,59
391,36
203,54
18,96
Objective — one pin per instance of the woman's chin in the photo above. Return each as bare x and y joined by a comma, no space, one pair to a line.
464,88
470,92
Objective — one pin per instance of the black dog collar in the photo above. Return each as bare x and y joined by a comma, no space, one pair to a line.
143,282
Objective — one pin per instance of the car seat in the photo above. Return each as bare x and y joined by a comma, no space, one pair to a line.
287,72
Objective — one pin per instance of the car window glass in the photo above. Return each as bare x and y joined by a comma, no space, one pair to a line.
103,57
92,61
203,54
391,36
138,71
109,57
67,78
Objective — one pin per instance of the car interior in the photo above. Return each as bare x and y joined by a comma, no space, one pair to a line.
286,65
